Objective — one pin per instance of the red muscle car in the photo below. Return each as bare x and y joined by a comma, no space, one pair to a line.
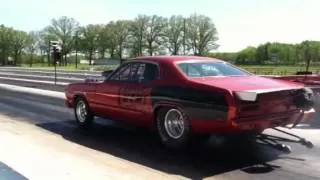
184,98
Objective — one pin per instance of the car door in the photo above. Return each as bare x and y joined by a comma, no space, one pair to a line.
135,97
107,93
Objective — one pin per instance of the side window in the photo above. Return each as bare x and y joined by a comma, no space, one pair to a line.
136,72
125,74
193,72
149,72
190,70
122,73
139,69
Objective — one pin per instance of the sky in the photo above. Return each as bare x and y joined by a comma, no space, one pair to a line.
240,23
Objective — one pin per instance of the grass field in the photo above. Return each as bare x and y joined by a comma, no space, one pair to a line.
73,67
257,69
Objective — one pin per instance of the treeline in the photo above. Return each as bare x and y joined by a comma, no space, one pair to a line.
145,35
275,53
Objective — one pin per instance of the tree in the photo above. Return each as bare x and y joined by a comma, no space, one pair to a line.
89,41
227,56
138,35
111,39
32,44
201,34
174,34
122,33
262,53
43,45
309,52
103,40
64,29
6,38
155,32
247,56
19,42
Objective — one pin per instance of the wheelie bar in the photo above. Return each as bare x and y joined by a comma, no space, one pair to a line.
274,141
300,140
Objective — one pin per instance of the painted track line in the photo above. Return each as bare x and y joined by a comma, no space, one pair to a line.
35,91
52,72
35,81
50,69
34,76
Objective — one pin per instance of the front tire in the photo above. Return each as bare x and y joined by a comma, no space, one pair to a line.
173,127
83,115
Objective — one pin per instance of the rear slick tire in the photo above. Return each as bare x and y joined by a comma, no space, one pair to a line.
173,127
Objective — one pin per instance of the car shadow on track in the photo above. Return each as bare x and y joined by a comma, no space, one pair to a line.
144,148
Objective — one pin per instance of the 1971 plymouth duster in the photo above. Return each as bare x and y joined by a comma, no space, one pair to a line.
187,97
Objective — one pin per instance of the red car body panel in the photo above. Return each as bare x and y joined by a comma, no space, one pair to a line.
209,102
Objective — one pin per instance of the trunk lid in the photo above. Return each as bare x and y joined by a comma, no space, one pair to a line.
246,83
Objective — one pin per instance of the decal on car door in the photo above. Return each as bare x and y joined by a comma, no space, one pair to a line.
130,96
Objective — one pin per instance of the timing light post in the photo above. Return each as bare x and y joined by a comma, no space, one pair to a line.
55,45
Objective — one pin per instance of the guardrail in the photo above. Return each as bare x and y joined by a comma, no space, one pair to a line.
45,76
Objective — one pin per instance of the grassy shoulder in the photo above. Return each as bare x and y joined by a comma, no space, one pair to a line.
257,69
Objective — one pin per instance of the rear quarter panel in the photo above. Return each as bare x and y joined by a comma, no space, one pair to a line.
203,105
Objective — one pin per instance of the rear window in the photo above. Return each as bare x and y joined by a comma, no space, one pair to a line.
203,69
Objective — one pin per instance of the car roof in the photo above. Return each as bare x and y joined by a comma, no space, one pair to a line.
170,59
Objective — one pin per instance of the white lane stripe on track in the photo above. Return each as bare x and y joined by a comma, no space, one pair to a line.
51,72
35,91
34,81
50,69
27,75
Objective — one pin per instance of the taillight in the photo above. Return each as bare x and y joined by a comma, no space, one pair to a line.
246,107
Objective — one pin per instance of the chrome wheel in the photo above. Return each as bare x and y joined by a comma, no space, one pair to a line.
81,111
174,123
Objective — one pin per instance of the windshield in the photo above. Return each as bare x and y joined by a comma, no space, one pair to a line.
203,69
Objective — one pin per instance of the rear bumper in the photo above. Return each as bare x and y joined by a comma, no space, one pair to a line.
274,120
253,123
